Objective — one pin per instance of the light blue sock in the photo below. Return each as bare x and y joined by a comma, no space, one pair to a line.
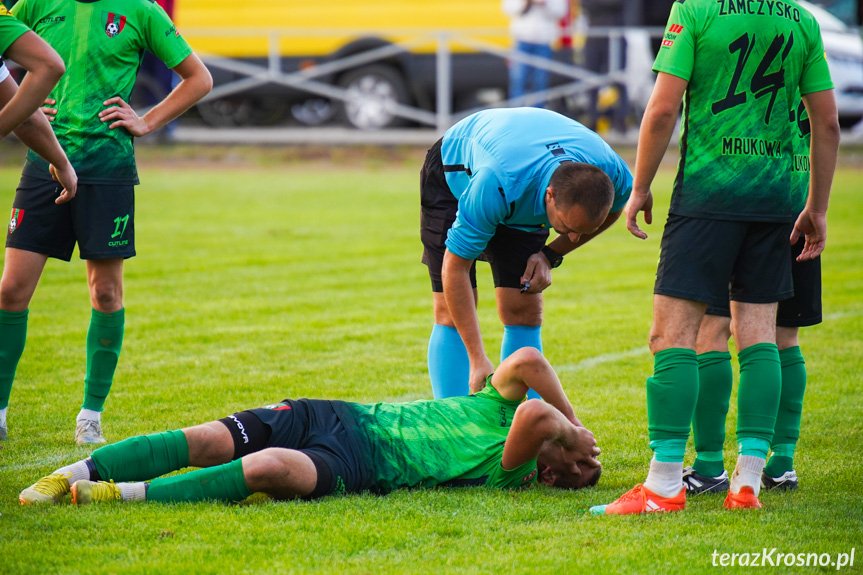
449,366
516,337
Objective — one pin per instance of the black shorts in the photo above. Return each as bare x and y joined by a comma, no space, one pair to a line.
804,308
507,252
711,261
310,426
101,219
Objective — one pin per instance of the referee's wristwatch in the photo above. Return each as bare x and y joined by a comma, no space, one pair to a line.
554,258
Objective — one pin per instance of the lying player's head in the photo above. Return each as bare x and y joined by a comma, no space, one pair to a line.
557,470
578,198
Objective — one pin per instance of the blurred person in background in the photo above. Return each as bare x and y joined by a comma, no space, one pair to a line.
535,28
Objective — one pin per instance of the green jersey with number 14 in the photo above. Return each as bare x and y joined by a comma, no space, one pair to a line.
747,63
102,43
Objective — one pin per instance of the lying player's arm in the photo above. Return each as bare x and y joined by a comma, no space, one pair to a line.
536,422
528,368
44,69
195,83
563,246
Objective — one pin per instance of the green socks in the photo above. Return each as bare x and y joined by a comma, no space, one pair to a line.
787,429
13,333
104,340
143,457
708,423
758,395
221,483
672,391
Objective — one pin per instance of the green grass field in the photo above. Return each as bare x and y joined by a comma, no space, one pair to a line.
264,281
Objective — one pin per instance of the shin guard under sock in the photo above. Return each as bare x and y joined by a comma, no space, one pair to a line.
13,334
142,457
758,394
787,429
516,337
449,366
221,483
711,410
104,341
672,392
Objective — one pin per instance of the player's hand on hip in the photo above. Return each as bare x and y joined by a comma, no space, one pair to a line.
67,178
121,115
537,273
48,109
639,202
478,375
813,226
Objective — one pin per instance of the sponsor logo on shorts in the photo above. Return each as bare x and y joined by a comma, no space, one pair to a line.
15,220
530,477
278,406
113,23
119,230
241,427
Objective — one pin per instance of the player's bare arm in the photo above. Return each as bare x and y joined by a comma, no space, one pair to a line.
535,423
462,309
195,83
36,133
44,69
821,107
656,129
528,368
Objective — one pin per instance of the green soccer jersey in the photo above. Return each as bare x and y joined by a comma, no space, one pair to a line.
747,62
456,441
101,42
10,29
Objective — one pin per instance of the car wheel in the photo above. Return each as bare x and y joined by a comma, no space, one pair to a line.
372,93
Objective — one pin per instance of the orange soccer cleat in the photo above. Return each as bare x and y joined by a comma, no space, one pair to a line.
639,499
744,499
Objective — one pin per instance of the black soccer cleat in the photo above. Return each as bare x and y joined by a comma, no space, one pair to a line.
696,483
785,482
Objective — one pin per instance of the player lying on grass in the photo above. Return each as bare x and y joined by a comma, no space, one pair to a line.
311,448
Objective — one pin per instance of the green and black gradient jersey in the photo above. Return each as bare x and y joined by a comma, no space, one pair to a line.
102,43
456,441
747,63
10,29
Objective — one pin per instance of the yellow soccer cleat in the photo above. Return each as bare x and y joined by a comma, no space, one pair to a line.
50,489
86,492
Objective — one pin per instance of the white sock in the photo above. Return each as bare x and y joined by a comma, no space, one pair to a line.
3,417
89,414
79,470
747,473
665,478
133,491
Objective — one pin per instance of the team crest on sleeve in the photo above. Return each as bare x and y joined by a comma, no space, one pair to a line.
113,23
15,220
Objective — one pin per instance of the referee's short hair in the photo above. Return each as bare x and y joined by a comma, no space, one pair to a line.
585,185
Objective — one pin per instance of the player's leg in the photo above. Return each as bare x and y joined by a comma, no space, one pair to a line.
707,474
693,268
38,229
105,226
762,276
448,362
21,273
520,312
803,310
138,458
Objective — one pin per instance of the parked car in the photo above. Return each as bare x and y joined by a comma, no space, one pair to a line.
843,47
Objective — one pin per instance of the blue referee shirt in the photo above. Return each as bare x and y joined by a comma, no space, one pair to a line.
498,164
